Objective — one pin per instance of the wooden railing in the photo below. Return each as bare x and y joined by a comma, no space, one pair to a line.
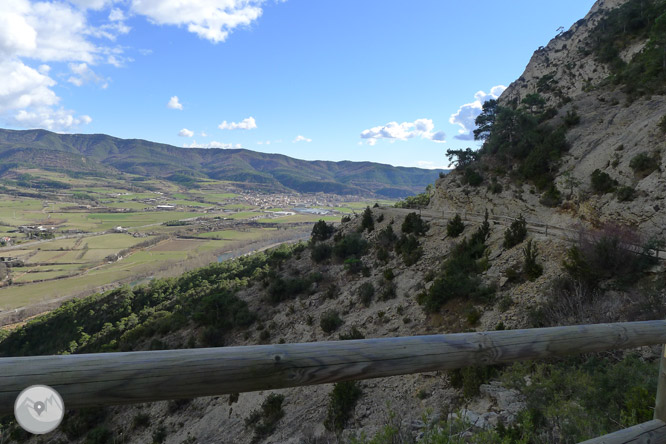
134,377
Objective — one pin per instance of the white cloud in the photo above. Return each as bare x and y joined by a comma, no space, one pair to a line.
185,133
209,19
300,138
24,87
50,119
213,144
116,15
468,112
91,4
248,123
393,131
203,134
82,74
174,103
429,165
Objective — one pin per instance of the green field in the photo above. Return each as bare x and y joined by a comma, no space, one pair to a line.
83,256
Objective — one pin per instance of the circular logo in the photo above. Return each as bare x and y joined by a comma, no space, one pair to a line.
39,409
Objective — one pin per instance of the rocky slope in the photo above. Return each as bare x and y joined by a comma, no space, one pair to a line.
574,80
614,128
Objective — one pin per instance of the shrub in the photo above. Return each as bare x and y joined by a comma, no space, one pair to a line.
282,289
469,379
367,222
320,252
571,118
408,247
350,245
383,255
472,177
366,292
330,321
601,182
607,254
353,265
662,124
414,224
531,268
342,401
322,231
386,237
354,333
516,233
159,434
643,164
625,194
99,435
140,420
455,226
264,421
551,198
459,277
388,274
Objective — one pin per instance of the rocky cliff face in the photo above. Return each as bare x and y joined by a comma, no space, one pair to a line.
614,128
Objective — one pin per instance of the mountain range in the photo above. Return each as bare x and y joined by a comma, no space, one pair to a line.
103,154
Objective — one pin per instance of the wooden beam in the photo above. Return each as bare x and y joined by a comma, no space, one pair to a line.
135,377
660,402
651,432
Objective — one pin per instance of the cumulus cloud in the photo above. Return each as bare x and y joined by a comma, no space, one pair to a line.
213,144
185,133
300,138
40,32
50,119
82,74
468,112
209,19
248,123
422,128
174,103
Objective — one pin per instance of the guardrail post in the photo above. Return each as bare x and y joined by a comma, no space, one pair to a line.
660,403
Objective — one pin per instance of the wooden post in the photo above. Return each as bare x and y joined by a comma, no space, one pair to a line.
660,403
133,377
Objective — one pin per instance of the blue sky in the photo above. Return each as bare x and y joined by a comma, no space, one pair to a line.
313,79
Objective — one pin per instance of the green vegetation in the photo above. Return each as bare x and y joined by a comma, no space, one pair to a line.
330,321
265,421
409,248
516,233
414,224
643,164
601,182
367,222
341,404
455,226
621,27
121,319
459,275
350,245
625,193
531,268
322,231
415,202
366,292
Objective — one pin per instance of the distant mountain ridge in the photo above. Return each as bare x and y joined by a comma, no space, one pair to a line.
101,153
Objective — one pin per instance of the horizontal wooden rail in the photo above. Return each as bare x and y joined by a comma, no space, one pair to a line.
135,377
651,432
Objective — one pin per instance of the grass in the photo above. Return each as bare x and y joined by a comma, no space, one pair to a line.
300,218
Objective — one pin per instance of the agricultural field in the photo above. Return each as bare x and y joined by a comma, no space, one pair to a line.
92,233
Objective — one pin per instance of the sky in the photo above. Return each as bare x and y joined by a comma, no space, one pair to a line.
390,81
